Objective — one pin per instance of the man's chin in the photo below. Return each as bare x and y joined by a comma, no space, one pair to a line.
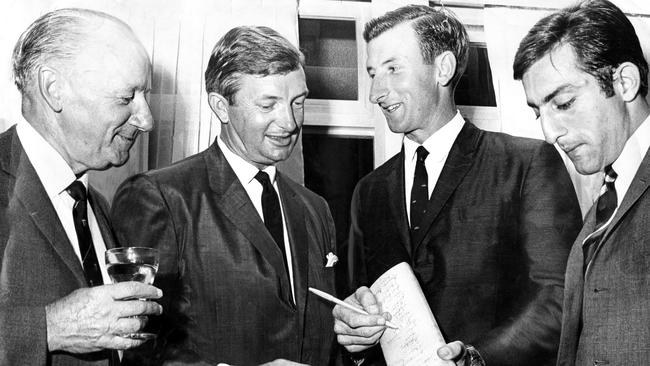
278,157
585,169
122,160
116,162
395,126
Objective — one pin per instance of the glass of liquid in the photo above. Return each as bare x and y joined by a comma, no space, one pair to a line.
133,264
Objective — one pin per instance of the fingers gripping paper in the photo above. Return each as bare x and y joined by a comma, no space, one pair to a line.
418,337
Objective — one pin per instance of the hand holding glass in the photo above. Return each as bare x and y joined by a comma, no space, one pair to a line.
133,264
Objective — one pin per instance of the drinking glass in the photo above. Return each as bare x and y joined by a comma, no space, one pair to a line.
133,264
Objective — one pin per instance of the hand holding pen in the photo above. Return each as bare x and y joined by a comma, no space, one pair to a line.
357,331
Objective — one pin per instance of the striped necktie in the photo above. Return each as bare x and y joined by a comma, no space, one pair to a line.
605,207
419,191
77,191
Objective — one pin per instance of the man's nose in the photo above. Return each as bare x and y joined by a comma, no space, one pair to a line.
552,130
288,118
142,117
378,90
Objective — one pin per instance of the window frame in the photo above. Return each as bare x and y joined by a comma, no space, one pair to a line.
360,118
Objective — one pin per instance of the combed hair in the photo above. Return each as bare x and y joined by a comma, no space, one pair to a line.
249,50
601,36
437,31
56,36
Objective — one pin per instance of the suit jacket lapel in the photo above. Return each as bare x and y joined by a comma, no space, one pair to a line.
573,293
298,241
640,184
102,220
456,167
395,193
237,207
30,192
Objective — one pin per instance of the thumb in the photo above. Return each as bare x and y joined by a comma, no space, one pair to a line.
451,351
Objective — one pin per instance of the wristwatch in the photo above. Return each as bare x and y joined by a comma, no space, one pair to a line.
358,358
473,357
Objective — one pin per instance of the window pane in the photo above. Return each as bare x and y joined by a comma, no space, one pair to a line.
333,166
475,86
330,50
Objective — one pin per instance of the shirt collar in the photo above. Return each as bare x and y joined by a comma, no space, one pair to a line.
628,162
439,144
244,170
53,171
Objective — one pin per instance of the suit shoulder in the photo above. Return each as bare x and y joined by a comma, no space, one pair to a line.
382,171
6,142
517,146
182,176
178,173
7,136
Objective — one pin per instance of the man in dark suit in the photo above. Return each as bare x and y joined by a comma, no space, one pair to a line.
82,75
586,78
484,219
237,259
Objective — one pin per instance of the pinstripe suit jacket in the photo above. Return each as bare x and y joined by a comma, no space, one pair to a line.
38,263
613,296
227,296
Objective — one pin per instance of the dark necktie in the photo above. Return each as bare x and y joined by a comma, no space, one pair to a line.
77,191
420,190
605,207
272,213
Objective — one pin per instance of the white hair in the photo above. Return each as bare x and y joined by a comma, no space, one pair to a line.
59,35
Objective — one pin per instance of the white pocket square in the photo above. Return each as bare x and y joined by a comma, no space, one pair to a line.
331,259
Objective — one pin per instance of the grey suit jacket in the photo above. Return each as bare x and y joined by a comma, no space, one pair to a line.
38,263
613,297
227,296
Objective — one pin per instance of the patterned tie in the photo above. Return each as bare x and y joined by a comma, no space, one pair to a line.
605,207
77,191
419,191
272,213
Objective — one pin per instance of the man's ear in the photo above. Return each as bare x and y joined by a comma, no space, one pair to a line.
446,67
627,81
219,105
50,86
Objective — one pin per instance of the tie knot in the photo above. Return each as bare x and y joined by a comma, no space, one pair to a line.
610,174
422,153
77,191
263,178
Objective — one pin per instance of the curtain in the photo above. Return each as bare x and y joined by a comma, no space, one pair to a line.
505,25
179,37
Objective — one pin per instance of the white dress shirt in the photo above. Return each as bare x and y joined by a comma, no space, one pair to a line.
246,172
55,176
626,166
628,162
438,145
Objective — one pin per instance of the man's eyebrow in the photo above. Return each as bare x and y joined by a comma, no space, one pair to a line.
557,91
552,94
275,97
392,59
303,94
